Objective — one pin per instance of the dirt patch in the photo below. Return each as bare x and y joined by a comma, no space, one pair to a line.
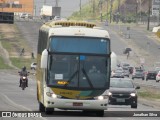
12,40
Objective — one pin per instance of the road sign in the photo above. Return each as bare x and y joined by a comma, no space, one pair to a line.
155,7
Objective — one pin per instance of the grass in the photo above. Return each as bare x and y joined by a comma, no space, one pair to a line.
3,65
149,93
21,61
13,41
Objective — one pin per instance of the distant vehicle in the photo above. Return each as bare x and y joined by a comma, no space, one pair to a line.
29,16
158,77
157,69
57,18
138,73
123,92
23,15
26,15
151,75
118,74
126,71
48,12
33,66
125,65
155,29
130,69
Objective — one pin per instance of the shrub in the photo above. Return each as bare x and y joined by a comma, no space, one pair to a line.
158,33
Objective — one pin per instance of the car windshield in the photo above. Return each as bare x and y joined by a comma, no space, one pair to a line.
120,83
139,71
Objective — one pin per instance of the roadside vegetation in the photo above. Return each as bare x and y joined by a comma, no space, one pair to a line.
13,41
101,10
158,33
3,65
149,93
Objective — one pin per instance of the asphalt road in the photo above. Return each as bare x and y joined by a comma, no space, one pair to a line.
13,98
16,99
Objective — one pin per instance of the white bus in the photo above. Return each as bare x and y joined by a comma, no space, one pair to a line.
73,67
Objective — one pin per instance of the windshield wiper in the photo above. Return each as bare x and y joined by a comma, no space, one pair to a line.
89,81
71,78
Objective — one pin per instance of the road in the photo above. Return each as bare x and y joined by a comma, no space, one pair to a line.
13,98
16,99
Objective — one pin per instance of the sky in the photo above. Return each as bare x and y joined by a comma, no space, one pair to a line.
67,6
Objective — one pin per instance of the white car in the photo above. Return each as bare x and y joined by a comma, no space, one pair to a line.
155,29
158,77
33,66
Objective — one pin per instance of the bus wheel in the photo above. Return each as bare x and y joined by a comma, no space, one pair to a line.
100,113
41,107
49,110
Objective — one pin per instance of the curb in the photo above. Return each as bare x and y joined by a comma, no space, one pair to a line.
150,103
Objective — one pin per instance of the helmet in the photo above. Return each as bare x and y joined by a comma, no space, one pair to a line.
24,68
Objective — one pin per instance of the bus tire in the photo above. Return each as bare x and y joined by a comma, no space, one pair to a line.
100,113
41,107
49,110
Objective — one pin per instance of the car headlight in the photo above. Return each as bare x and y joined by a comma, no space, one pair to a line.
109,93
102,97
133,94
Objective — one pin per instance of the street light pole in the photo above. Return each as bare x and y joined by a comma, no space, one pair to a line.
80,8
149,10
110,11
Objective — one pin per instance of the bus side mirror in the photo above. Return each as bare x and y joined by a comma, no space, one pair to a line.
113,61
44,58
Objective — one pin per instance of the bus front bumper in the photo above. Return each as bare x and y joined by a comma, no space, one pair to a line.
72,104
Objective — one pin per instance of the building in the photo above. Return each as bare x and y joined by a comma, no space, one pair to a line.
17,6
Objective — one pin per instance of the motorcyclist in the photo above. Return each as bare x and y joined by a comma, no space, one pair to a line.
22,73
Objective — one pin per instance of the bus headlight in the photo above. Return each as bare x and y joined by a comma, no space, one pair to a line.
52,95
133,94
100,97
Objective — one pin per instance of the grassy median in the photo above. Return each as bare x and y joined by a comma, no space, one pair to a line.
149,93
3,65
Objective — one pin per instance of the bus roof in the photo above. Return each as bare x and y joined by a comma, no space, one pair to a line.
68,28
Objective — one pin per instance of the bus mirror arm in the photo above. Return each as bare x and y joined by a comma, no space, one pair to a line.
44,58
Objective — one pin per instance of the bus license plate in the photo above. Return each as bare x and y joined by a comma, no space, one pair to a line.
77,104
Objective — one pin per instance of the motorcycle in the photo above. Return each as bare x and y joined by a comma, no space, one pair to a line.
23,81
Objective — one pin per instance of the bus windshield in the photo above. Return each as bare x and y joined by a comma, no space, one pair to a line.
79,44
78,71
87,68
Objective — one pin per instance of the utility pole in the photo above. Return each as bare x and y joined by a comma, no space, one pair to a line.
101,9
136,12
159,12
140,11
56,5
44,2
149,11
111,10
107,9
80,4
93,8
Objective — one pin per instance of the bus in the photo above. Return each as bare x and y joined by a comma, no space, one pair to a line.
73,67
